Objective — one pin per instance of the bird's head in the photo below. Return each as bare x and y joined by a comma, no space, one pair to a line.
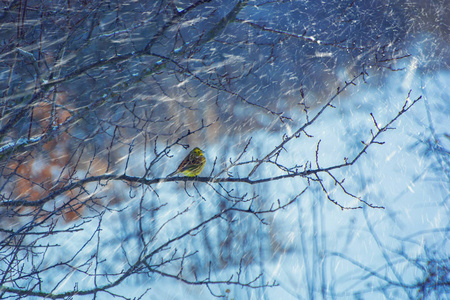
197,151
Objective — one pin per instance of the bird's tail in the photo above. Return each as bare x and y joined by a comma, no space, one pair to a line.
171,174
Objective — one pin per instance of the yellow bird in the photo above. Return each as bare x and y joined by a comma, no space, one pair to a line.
192,165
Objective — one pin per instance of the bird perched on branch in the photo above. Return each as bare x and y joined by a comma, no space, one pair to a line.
192,165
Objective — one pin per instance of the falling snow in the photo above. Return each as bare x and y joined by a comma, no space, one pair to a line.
325,126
